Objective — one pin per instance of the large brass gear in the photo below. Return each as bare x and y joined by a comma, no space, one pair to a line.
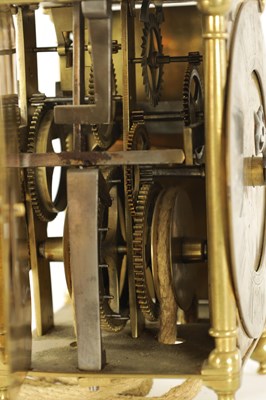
152,47
246,203
193,100
113,266
105,135
41,133
135,176
144,281
113,299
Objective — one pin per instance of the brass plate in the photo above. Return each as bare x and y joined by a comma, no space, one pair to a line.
15,306
246,91
125,356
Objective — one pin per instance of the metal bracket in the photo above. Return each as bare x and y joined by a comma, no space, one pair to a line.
99,15
83,223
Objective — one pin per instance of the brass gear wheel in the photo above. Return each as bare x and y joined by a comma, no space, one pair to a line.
152,47
105,135
42,131
135,176
113,290
113,266
193,103
144,281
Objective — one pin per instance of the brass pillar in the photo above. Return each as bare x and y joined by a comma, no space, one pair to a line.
222,370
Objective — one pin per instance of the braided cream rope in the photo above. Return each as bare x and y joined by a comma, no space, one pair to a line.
111,389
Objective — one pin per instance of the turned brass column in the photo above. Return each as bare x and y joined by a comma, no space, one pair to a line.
221,371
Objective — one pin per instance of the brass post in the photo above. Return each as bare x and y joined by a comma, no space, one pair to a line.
222,370
259,353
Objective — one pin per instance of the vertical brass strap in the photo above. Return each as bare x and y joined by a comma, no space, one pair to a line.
78,69
128,79
26,60
222,299
222,370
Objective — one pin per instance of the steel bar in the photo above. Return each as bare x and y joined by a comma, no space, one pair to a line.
48,49
85,159
157,116
168,59
164,116
182,171
45,49
26,62
64,100
78,70
83,223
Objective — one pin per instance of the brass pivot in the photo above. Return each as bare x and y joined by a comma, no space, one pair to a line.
189,250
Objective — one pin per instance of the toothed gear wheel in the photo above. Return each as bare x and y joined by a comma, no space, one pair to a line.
138,175
142,259
193,100
113,310
42,131
112,280
105,135
152,47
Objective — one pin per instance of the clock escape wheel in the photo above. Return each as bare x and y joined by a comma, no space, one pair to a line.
245,126
112,255
152,48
